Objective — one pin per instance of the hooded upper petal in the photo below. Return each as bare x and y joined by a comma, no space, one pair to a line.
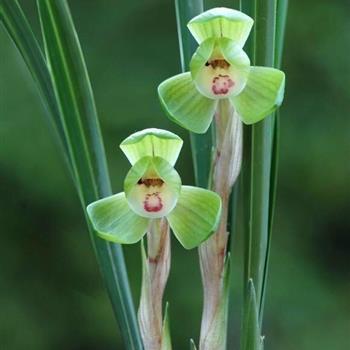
221,22
152,142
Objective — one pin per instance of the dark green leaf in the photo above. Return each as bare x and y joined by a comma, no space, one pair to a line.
201,144
79,118
260,158
281,13
66,90
253,339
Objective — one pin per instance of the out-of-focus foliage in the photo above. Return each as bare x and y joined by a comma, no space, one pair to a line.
51,295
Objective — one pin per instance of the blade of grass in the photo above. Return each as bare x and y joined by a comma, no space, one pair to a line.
84,146
281,19
201,145
253,341
258,141
77,108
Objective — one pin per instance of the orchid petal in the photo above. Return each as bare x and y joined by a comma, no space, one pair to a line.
221,22
195,216
114,221
262,95
185,105
152,142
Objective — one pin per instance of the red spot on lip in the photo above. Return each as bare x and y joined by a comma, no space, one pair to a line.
153,202
222,84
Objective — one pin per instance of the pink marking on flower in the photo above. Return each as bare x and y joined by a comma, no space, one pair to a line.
153,202
222,84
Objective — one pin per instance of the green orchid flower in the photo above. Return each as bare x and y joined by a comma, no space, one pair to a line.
220,69
153,190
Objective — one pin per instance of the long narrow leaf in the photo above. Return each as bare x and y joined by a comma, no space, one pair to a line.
75,118
201,145
281,18
257,163
77,109
253,340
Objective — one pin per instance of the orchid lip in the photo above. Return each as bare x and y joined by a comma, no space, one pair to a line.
221,63
152,187
150,182
152,197
153,201
219,68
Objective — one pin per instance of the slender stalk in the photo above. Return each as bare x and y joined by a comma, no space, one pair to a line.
155,267
212,253
66,89
226,167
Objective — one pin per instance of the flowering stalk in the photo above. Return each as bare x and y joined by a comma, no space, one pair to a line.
212,253
221,82
153,200
155,272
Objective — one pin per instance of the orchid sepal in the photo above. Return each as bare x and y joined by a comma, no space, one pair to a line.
113,220
263,93
185,105
152,142
221,22
196,216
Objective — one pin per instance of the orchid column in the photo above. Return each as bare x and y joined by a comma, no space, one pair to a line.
220,83
153,201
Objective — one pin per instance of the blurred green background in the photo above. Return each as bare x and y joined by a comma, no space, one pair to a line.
51,294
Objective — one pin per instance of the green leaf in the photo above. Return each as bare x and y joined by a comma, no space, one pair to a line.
185,105
114,221
186,10
201,145
78,117
152,142
166,338
152,187
281,13
262,95
195,216
253,339
221,22
72,89
258,160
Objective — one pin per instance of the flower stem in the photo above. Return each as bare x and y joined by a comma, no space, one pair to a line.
155,272
212,253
